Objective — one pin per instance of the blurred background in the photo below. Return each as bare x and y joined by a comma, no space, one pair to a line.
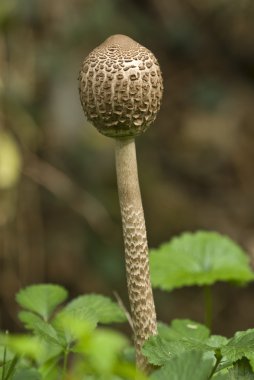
59,212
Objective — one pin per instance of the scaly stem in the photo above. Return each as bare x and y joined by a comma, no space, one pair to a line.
208,306
136,248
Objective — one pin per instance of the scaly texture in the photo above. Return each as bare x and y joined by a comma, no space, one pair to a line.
121,87
138,278
136,248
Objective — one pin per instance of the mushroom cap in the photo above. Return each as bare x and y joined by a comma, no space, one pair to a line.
121,87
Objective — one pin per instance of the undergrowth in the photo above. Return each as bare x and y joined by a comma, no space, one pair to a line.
75,340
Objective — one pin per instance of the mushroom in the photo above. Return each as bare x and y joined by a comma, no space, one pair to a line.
120,91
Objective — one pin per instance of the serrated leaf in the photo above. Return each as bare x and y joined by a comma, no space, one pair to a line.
49,334
159,351
41,299
42,329
183,335
240,371
95,309
200,258
188,365
29,319
241,345
184,328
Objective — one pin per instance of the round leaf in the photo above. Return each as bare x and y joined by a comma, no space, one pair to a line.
41,299
200,258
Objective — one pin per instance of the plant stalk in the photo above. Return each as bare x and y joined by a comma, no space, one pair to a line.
208,300
66,354
218,360
136,248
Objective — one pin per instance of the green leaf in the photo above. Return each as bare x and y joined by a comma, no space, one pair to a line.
159,351
184,328
95,309
183,335
200,258
49,369
29,319
72,328
240,371
7,368
47,332
188,365
42,329
241,345
27,374
23,345
41,299
221,376
102,349
216,341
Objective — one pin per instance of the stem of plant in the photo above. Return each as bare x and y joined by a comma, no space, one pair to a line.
66,353
218,360
208,306
136,247
4,362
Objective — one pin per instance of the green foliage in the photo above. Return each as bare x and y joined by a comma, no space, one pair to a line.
65,341
8,363
189,365
240,371
27,345
200,258
184,328
241,345
94,308
64,338
184,337
28,374
102,349
41,299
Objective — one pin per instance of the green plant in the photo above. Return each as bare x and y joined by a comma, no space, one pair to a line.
121,91
187,349
67,341
64,337
201,259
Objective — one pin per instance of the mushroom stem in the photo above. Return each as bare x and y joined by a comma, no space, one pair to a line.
136,247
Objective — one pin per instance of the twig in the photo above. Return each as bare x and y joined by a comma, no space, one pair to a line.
122,306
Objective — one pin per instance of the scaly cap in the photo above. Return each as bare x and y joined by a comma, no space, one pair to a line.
121,87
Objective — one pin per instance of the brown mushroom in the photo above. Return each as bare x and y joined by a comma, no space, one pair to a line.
120,91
